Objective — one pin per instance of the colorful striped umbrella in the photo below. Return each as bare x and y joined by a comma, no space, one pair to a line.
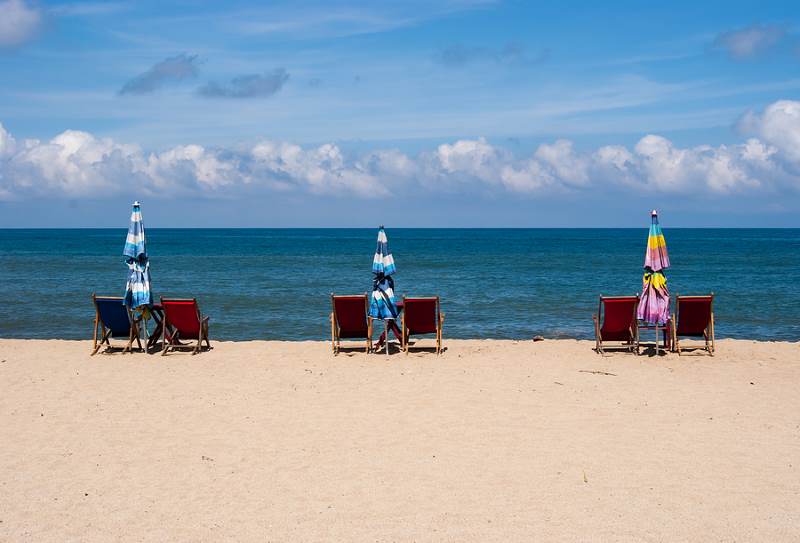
382,305
137,293
654,304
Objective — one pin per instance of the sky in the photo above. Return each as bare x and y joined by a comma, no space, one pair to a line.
437,113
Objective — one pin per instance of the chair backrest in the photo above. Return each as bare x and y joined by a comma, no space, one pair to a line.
693,314
113,314
183,315
350,313
421,315
618,315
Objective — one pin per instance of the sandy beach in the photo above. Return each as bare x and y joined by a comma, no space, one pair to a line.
492,441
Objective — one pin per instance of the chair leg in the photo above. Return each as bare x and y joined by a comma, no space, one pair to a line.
199,341
132,335
103,340
333,334
94,340
713,346
96,345
164,344
369,335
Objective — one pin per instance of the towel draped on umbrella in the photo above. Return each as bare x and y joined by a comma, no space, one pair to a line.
654,304
137,293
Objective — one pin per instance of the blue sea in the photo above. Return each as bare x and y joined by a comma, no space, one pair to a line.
493,283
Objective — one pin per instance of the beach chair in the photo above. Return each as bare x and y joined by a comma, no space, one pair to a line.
694,317
422,316
350,320
112,319
183,320
616,321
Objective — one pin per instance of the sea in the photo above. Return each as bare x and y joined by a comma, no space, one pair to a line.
493,283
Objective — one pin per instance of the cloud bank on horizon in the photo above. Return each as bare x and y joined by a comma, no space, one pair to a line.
482,100
76,163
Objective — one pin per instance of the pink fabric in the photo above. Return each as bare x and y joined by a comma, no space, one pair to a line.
654,303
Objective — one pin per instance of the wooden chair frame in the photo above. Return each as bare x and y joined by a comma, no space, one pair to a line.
708,333
105,333
174,336
336,340
439,324
598,341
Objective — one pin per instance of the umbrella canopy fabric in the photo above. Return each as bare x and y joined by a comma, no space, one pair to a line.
654,303
382,262
382,305
137,293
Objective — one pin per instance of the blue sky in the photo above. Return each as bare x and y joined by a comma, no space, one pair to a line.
449,113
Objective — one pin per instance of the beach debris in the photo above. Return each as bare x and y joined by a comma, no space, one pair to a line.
538,338
556,382
207,458
585,480
598,372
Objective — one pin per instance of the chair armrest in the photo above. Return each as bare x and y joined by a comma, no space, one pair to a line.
441,318
205,319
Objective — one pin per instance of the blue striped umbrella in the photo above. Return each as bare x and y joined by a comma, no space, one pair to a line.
137,293
382,305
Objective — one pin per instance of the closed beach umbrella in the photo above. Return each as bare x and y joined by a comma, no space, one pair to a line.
382,304
654,304
137,294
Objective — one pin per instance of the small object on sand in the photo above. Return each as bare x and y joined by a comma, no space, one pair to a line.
556,382
598,372
585,480
538,338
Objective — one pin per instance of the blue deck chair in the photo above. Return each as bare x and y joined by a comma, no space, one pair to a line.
114,320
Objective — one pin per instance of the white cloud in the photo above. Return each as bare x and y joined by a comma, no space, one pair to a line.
323,169
77,163
470,158
18,22
779,126
750,41
565,163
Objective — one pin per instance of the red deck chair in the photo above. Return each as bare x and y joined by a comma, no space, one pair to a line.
694,317
422,316
182,320
616,321
350,320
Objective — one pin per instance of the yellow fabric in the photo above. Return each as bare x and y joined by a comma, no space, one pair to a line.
654,242
656,279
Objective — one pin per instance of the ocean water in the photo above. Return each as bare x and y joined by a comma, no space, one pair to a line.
493,283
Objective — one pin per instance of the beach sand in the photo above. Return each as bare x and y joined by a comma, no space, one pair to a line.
492,441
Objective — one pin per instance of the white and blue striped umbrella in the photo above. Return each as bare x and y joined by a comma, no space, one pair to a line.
382,305
137,293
